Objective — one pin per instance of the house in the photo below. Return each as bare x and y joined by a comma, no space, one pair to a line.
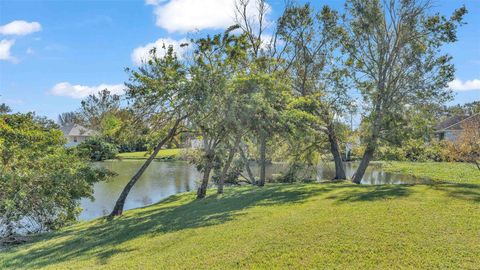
451,128
75,134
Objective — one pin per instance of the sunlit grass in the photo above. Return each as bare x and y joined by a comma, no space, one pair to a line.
167,154
437,171
298,226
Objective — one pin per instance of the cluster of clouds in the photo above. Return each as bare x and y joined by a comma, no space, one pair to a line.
15,28
459,85
177,17
142,53
78,91
186,16
189,15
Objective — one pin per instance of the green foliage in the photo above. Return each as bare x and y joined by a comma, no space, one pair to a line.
297,172
41,182
415,150
300,226
96,107
97,149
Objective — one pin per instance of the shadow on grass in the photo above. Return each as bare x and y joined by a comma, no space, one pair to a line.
101,240
467,192
364,193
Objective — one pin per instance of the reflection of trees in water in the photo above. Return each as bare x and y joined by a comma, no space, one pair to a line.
163,179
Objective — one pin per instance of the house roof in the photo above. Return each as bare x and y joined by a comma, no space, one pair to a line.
76,130
454,122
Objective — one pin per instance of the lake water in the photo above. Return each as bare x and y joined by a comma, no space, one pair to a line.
163,179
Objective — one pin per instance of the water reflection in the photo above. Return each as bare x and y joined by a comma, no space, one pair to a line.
159,181
163,179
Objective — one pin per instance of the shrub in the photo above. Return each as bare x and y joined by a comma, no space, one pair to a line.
41,182
97,149
415,150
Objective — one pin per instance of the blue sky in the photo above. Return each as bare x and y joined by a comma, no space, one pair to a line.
53,53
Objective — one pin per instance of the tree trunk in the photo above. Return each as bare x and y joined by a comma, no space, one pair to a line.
367,156
231,154
332,138
263,162
202,189
118,209
247,167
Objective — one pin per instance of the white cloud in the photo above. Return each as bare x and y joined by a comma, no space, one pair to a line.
20,28
5,46
30,51
141,53
189,15
67,89
459,85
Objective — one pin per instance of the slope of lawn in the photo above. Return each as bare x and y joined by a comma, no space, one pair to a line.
297,226
164,154
452,172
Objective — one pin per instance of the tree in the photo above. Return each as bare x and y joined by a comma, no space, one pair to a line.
97,149
41,182
160,92
216,60
96,107
395,59
68,118
313,41
467,147
469,108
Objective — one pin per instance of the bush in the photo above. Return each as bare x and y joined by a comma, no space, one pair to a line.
97,149
414,150
41,182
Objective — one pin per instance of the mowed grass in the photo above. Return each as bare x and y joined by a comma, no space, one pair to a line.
164,154
452,172
280,226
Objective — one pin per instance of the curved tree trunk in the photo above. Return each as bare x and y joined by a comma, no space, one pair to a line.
118,209
202,189
231,154
367,156
247,167
263,162
369,151
332,138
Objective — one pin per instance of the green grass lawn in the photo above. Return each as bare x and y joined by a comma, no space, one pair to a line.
297,226
462,173
164,154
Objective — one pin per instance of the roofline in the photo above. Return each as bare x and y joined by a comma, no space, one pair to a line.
460,121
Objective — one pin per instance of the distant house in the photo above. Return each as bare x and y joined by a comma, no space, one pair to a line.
451,128
75,134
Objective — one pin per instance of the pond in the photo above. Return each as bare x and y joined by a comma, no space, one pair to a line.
163,179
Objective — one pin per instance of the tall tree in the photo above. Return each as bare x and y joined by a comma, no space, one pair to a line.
96,107
265,55
159,91
394,49
68,118
216,62
313,42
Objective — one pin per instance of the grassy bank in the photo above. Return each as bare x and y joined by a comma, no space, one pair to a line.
164,154
462,173
298,226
